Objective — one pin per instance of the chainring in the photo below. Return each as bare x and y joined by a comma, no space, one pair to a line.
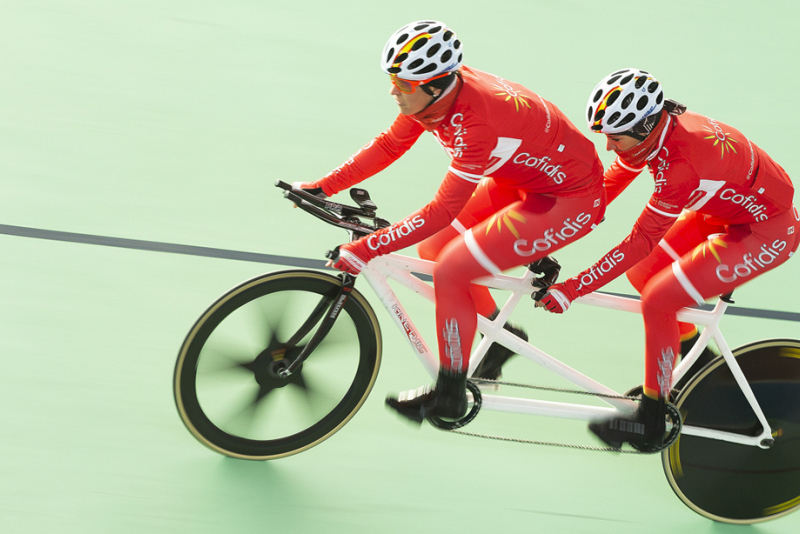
448,424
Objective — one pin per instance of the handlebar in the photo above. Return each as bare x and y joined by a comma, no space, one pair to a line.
336,214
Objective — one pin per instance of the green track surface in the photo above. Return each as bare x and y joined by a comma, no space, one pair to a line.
169,121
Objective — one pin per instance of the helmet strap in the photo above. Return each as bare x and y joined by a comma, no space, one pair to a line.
644,127
439,83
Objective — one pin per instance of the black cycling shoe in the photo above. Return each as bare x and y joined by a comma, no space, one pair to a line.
492,363
447,399
644,430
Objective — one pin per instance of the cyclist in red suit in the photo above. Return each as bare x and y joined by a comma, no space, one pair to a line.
523,182
721,214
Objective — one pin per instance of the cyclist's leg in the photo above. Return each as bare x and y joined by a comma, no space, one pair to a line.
714,267
488,198
689,230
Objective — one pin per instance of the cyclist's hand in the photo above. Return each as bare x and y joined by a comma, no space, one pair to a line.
350,257
309,188
559,297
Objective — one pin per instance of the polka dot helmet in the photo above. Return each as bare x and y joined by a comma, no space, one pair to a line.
422,50
622,100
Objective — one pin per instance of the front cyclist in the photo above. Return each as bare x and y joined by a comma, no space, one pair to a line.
720,215
523,182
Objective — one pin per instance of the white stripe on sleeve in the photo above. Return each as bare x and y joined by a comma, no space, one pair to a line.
474,178
664,213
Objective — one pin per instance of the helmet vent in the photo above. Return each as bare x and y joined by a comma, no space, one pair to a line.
642,103
627,100
447,35
419,44
447,55
425,70
402,39
432,50
416,63
627,119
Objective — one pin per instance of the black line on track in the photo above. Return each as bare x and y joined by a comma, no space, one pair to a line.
272,259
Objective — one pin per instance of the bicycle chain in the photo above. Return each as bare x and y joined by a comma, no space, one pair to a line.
547,388
549,443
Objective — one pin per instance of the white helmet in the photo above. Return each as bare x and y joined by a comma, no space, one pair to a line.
622,100
422,50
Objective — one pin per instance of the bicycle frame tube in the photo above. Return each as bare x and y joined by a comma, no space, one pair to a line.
400,269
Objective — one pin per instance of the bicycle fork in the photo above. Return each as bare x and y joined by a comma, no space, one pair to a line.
328,314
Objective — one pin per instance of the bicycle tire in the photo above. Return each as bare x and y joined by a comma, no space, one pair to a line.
733,483
225,386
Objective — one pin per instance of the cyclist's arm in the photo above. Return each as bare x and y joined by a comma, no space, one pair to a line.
372,158
617,177
648,230
661,212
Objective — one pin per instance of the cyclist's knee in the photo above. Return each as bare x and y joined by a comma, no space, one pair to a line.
446,273
430,248
456,267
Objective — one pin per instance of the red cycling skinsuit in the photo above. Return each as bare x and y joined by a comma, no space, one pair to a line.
540,189
738,223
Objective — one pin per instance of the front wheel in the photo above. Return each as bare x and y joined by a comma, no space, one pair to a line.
734,483
228,387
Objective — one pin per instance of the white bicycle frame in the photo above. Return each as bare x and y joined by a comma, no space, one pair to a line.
401,268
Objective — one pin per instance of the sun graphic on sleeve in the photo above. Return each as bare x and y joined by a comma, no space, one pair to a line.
723,139
506,219
711,246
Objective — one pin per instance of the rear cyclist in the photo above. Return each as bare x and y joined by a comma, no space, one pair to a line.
523,182
721,214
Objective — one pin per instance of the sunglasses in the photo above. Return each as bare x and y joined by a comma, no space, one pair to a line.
409,86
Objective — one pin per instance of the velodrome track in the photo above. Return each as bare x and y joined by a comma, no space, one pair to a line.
139,141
